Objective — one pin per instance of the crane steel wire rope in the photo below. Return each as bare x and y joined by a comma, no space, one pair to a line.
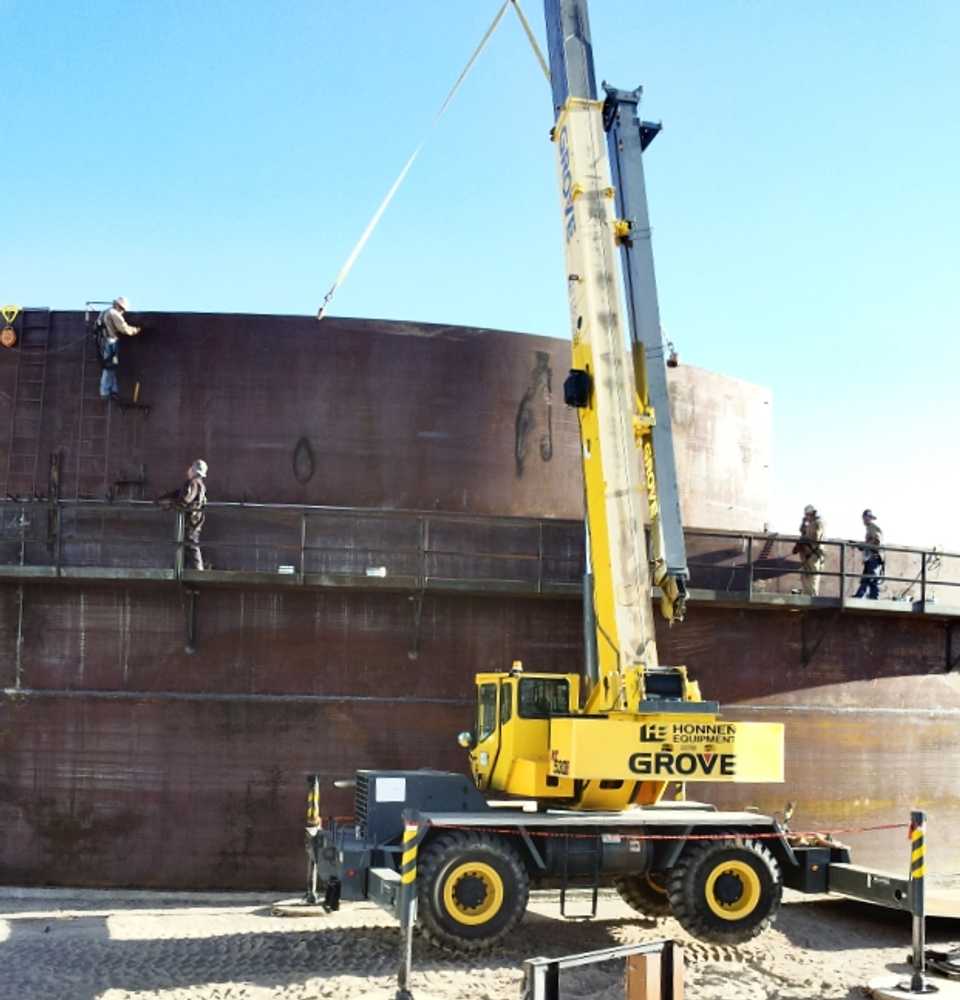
382,207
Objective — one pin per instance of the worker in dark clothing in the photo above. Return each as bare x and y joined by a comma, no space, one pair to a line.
872,558
110,324
191,498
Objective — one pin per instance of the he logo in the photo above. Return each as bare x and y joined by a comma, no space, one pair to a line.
650,733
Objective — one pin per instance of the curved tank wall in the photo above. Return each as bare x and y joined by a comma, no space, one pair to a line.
353,412
111,732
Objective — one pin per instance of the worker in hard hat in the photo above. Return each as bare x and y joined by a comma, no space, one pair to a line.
873,562
109,327
810,550
191,498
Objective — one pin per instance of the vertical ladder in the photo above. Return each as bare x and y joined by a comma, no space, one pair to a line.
26,423
93,429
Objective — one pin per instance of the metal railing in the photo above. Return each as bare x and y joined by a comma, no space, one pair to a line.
345,546
308,545
765,564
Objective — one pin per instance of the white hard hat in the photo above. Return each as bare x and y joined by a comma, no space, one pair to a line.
200,467
121,303
809,509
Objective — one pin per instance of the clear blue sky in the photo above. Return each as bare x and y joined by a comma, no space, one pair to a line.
804,194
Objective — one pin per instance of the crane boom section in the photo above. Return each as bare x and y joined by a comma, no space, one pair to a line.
626,642
627,138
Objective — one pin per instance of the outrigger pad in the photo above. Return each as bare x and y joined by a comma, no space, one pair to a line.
944,963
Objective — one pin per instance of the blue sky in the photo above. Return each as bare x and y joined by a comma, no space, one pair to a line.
804,194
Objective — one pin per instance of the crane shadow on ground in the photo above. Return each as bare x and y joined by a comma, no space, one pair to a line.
835,924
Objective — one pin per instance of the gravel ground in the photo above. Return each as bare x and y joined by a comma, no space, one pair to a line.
101,946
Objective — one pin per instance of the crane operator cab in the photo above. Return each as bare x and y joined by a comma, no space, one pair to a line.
508,747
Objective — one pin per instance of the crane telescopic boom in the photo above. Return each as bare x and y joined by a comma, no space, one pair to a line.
634,725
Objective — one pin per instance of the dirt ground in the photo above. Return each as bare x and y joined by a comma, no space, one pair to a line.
98,946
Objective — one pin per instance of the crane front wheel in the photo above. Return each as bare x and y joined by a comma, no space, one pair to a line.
725,891
473,890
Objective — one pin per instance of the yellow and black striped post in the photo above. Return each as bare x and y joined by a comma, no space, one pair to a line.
407,902
314,826
918,871
313,800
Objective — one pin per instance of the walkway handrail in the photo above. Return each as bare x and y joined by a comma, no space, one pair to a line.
538,554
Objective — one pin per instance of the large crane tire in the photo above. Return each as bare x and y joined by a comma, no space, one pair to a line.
647,893
725,891
472,890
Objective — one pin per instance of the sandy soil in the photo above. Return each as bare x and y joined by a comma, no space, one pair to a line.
96,947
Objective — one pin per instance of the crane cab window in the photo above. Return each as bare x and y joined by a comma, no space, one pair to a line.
541,697
486,711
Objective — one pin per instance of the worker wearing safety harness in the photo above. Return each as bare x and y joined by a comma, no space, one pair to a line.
110,324
872,558
810,550
191,498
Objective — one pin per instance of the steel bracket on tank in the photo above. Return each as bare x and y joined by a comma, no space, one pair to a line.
191,608
413,652
952,651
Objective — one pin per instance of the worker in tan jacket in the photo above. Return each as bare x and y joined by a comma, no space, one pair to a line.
810,550
110,325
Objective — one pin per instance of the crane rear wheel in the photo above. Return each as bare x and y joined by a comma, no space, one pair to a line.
725,891
472,890
646,893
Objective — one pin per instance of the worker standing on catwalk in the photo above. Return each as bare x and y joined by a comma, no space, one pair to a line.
872,558
191,498
810,550
109,326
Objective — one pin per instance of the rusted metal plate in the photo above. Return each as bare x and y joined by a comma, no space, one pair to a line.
117,734
364,413
345,644
195,793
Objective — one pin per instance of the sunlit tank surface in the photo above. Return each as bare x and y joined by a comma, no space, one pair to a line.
328,640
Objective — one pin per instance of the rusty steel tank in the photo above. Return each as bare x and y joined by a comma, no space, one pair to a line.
396,506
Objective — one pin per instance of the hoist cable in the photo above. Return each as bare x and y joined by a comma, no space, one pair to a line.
532,39
371,225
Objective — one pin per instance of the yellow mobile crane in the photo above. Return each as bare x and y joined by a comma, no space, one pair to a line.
592,754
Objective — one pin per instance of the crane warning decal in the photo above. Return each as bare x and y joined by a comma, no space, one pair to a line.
668,748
